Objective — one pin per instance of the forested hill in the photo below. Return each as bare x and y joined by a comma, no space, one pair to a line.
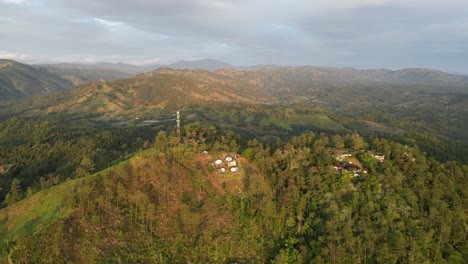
286,203
163,89
20,81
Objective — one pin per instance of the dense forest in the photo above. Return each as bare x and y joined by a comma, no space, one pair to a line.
46,151
287,203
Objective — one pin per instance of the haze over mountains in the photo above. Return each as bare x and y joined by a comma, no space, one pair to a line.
55,78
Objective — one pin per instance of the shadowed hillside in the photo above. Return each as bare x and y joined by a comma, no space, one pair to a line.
20,81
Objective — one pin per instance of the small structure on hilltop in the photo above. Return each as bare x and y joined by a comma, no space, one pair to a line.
232,164
378,157
340,155
349,166
218,162
228,164
338,167
355,169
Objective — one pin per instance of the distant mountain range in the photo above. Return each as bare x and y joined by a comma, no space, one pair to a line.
19,81
320,74
205,64
171,89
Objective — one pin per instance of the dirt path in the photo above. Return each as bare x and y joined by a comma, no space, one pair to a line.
211,176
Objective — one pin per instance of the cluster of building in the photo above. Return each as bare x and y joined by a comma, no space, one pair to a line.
351,167
228,164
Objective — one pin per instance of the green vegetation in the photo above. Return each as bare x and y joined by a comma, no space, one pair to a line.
49,150
99,174
287,205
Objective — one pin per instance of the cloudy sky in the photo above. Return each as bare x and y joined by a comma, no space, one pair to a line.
390,34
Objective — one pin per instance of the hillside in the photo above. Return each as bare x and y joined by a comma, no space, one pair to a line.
163,89
169,204
165,208
20,81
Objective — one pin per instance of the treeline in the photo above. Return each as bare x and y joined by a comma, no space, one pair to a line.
290,206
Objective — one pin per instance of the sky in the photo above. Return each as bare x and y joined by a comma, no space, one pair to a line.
390,34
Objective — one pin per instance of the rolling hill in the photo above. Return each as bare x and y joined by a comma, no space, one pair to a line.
20,81
278,100
129,69
345,90
164,88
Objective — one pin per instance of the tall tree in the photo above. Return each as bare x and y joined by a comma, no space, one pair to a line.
15,194
85,167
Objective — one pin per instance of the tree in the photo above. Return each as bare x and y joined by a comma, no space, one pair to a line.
15,194
356,141
85,167
338,141
161,140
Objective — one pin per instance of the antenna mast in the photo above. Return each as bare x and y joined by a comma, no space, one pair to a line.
178,123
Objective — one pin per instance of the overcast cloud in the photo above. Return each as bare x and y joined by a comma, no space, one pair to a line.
343,33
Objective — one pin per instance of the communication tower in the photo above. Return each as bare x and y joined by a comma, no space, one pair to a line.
178,123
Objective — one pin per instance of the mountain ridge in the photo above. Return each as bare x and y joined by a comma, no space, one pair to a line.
412,74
